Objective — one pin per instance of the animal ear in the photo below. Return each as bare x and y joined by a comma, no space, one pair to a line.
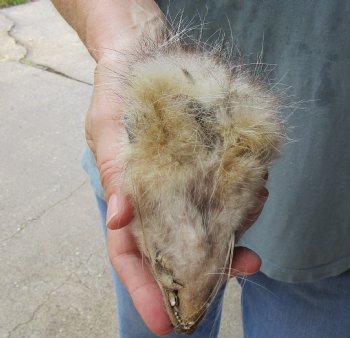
255,141
250,129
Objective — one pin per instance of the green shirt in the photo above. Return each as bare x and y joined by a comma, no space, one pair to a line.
303,233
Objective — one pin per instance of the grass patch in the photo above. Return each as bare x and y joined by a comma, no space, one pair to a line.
7,3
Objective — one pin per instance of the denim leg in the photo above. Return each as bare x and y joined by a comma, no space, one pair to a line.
274,309
129,321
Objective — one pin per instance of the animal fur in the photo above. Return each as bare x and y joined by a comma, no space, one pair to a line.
201,135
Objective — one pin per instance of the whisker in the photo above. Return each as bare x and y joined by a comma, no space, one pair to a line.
245,280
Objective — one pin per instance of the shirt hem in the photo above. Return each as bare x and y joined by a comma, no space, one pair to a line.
305,274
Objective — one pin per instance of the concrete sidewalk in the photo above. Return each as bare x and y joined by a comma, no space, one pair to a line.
54,271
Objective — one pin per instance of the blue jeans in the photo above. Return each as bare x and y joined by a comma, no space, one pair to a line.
273,309
270,309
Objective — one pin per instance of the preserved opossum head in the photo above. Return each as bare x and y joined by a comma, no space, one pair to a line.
201,134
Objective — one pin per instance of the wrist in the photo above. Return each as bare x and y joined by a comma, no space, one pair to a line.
119,25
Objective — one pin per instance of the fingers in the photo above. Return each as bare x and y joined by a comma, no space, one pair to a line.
263,194
254,214
105,134
135,274
120,210
244,262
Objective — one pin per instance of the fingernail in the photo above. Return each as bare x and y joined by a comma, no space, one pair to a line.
112,208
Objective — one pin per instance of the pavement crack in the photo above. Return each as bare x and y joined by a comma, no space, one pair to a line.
37,309
23,58
17,42
52,70
22,226
87,287
9,32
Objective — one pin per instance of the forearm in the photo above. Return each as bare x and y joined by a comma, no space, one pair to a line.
109,24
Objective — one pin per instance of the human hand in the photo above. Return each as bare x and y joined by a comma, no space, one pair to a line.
104,126
115,25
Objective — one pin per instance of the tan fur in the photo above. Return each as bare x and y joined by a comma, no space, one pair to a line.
202,135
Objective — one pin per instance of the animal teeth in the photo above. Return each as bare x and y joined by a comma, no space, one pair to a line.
172,299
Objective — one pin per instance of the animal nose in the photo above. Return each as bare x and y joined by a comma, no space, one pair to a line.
188,311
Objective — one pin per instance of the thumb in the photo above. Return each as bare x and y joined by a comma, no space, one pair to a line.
119,211
244,262
119,207
104,132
